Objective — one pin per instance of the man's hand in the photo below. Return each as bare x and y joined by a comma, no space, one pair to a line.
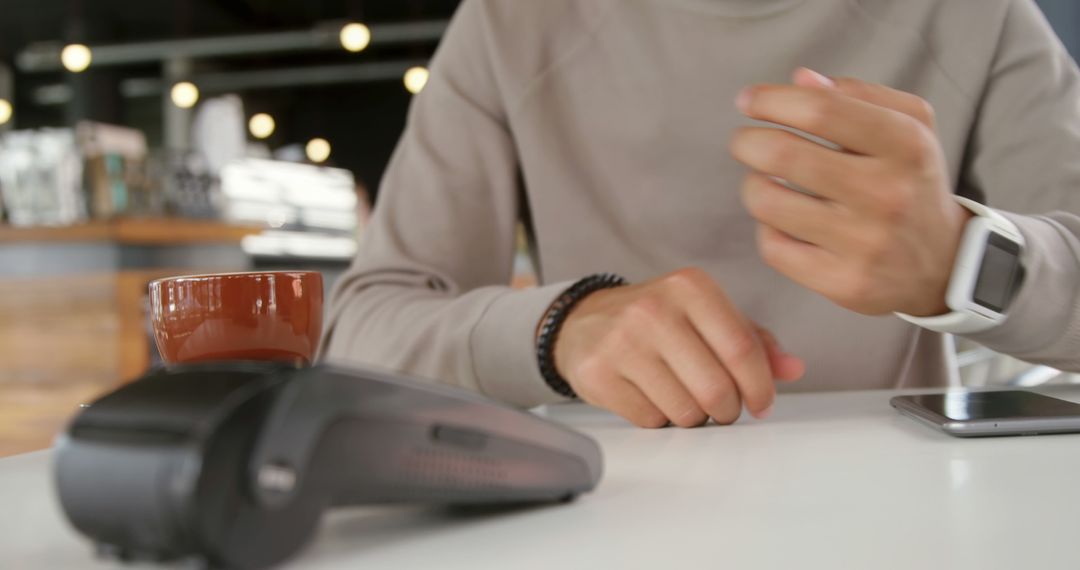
671,350
881,232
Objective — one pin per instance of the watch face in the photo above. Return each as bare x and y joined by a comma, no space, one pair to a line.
1000,273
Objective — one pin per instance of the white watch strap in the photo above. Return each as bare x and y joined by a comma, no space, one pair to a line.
982,210
964,322
954,322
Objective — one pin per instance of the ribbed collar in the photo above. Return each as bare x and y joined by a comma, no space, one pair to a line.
736,8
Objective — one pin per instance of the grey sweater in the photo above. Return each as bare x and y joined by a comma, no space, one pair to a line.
606,122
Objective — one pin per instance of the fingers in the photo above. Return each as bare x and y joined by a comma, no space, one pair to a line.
797,160
700,371
866,128
731,339
612,392
806,264
801,216
877,94
806,77
659,384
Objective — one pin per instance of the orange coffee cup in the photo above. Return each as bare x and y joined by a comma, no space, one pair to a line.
238,316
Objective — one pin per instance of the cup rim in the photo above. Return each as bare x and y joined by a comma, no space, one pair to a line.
207,276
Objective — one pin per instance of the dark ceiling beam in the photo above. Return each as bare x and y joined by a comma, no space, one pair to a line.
228,82
46,57
218,83
238,14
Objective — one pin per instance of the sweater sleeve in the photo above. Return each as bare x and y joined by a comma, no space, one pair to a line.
428,291
1023,159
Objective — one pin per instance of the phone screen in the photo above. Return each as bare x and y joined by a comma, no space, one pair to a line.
996,405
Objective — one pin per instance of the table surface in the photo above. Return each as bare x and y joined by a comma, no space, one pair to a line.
831,480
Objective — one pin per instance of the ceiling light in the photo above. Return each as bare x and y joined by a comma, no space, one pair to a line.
261,125
355,37
415,79
185,94
76,57
5,111
317,150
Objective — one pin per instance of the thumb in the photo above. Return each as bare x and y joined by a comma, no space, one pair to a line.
785,367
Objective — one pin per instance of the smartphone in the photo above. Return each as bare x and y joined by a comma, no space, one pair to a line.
981,414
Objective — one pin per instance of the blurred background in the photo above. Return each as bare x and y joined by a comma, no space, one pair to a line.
146,139
140,139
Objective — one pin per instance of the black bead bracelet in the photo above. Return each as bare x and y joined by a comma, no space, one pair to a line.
554,319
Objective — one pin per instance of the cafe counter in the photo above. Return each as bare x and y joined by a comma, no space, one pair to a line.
72,310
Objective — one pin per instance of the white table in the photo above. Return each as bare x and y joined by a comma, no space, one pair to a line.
836,480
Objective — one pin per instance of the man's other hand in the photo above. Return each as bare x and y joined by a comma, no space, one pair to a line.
878,230
671,350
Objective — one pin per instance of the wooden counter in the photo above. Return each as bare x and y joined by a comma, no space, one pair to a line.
145,231
72,310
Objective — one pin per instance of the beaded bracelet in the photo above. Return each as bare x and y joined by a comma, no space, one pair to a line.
554,319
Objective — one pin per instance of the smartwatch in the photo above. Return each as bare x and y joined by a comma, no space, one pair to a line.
987,274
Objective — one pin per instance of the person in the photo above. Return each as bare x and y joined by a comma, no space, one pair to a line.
767,174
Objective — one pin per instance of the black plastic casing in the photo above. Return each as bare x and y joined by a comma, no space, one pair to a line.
233,464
